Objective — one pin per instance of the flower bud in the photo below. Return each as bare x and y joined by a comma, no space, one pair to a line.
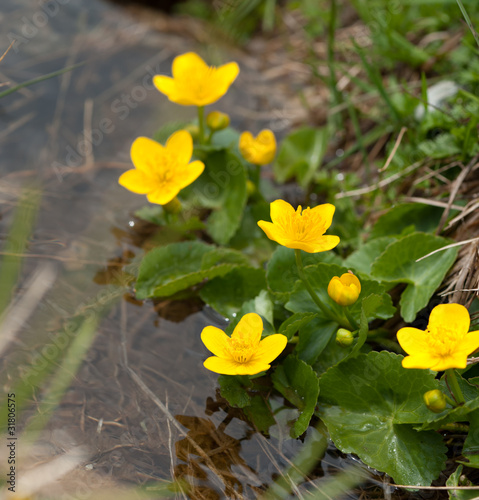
193,129
258,150
217,120
344,290
344,337
435,400
250,187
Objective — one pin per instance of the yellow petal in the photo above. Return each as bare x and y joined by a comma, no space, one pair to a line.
349,279
222,365
186,64
470,343
453,316
326,212
191,172
453,361
251,325
244,144
225,75
230,367
135,181
413,340
423,361
270,348
252,367
216,341
180,146
165,85
280,209
145,154
273,232
324,243
163,195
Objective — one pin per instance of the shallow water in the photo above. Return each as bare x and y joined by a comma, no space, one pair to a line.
73,133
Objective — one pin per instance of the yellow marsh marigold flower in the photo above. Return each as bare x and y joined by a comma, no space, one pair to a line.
445,344
258,150
344,290
194,83
244,353
300,229
161,172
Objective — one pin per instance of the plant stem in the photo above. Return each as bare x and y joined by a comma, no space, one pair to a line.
454,386
325,310
201,124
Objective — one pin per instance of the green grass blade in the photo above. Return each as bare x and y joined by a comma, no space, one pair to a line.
39,79
67,370
16,244
468,21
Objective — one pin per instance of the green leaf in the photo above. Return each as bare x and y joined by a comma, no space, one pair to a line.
172,268
362,259
282,272
398,264
259,412
407,217
368,403
314,337
298,383
232,388
457,479
226,294
301,154
294,323
222,186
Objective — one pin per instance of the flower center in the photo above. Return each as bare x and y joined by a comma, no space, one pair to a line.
241,347
303,224
164,168
442,340
200,82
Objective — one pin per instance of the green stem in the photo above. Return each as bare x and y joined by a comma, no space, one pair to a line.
454,386
351,320
201,124
326,311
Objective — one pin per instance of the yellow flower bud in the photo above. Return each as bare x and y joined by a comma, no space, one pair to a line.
250,187
344,337
435,400
258,150
344,290
217,120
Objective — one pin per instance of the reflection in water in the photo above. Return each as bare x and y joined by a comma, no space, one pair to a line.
208,445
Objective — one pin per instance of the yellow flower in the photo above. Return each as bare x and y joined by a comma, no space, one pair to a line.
344,290
162,171
446,342
300,229
244,353
258,150
194,83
